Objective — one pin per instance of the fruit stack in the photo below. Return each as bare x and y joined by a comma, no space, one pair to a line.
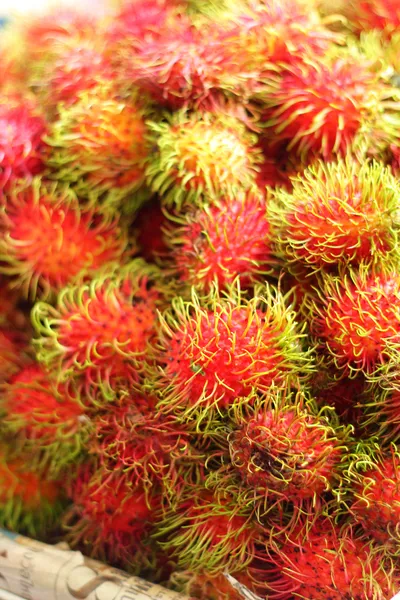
200,292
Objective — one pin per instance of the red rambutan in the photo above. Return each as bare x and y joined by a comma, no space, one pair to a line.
317,108
49,238
30,503
100,144
99,330
110,520
211,352
217,243
202,156
365,15
357,318
208,533
22,146
373,476
329,563
44,419
340,212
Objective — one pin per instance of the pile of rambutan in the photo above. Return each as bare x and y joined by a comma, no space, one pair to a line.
200,293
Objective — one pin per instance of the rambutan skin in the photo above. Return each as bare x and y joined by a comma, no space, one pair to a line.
357,319
340,212
212,351
99,330
23,149
219,242
49,238
44,419
317,108
99,144
329,563
365,15
200,157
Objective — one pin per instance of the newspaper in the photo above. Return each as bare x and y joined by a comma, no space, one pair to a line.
36,571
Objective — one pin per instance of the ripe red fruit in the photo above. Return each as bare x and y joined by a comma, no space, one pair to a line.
317,108
357,318
49,238
328,563
110,519
340,212
99,330
30,502
22,146
365,15
217,243
44,418
214,352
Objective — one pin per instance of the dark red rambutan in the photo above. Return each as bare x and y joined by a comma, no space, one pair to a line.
22,146
100,144
357,319
99,330
327,562
283,449
206,533
109,519
202,156
49,238
147,448
340,212
317,108
217,243
44,419
373,476
214,351
12,353
30,503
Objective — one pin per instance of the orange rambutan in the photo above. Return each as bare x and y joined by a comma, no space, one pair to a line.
339,212
373,477
210,352
323,561
201,156
22,146
109,519
357,320
100,144
316,108
98,331
44,419
30,502
217,243
49,238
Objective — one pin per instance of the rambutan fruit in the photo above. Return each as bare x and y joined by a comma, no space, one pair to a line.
30,502
49,238
365,15
100,144
317,108
212,351
204,586
201,156
147,448
22,146
109,519
357,320
98,331
206,533
339,212
283,449
330,563
217,243
373,477
44,419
